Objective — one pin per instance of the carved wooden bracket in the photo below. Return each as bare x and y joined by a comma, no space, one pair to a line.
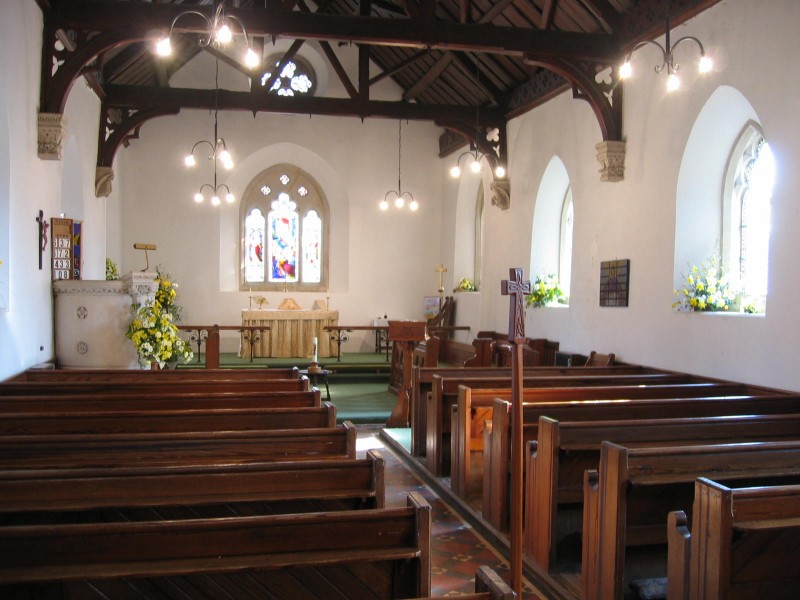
119,126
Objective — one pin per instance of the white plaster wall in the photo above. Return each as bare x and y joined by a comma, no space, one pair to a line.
753,45
380,263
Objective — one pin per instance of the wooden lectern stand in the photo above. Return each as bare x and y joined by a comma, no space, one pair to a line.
407,334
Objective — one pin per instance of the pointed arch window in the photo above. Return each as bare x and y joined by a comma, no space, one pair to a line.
746,209
565,243
284,232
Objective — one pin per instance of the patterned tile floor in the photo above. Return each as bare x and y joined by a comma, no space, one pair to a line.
457,550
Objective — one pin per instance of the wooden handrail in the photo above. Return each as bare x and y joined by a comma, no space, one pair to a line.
211,339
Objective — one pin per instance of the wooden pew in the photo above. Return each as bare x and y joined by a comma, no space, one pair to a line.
381,553
627,502
422,380
133,375
497,439
555,463
744,543
140,493
162,421
444,395
166,401
154,385
474,406
185,448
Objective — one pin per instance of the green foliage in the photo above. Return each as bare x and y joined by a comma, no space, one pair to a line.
112,273
466,285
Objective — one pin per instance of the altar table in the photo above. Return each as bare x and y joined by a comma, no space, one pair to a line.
291,332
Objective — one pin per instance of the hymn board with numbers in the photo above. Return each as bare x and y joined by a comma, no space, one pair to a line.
65,237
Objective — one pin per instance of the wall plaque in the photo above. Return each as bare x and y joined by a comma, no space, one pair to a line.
614,282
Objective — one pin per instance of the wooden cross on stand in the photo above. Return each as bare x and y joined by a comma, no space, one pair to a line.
517,289
441,270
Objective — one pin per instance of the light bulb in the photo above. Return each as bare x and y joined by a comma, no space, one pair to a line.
230,198
475,166
384,205
214,200
455,171
226,159
500,171
189,160
673,82
399,202
414,205
625,70
164,46
251,59
224,34
198,197
706,64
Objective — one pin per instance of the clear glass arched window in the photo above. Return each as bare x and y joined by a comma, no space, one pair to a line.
565,243
297,78
746,208
284,232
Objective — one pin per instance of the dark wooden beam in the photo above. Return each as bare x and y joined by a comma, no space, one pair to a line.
133,96
548,12
429,77
398,67
339,69
140,19
609,19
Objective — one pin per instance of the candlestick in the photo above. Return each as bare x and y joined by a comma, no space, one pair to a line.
315,350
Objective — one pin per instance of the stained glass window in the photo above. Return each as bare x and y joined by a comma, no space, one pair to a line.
312,247
287,247
283,240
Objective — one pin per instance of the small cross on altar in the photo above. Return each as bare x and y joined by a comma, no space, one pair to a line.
441,270
517,289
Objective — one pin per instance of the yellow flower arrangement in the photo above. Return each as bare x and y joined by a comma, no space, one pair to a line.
705,289
152,330
466,285
545,290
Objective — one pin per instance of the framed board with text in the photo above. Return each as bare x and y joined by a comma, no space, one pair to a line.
63,257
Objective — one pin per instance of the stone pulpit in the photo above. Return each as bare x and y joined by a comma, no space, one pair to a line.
91,318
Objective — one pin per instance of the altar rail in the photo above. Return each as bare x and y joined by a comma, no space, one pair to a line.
209,334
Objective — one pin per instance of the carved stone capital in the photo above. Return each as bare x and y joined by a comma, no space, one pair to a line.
611,156
141,286
501,193
103,176
52,129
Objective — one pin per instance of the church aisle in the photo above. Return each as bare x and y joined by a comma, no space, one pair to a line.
456,549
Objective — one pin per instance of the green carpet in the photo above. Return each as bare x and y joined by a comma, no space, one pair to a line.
359,383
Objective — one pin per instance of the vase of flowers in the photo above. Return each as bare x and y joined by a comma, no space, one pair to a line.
466,285
153,330
545,290
705,289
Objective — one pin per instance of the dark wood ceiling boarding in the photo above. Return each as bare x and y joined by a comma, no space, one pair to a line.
463,64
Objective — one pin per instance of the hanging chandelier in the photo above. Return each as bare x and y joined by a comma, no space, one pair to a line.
219,33
474,157
398,197
219,153
668,63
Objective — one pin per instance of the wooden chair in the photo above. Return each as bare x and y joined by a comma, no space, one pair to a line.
599,360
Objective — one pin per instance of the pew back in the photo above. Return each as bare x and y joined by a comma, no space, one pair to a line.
133,375
149,386
381,553
627,503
